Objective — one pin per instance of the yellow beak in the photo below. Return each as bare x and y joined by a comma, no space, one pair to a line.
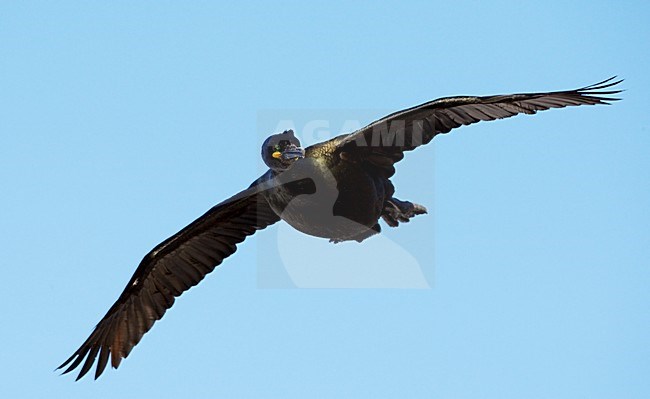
276,154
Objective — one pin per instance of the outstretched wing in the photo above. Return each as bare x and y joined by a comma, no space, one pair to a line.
382,143
171,268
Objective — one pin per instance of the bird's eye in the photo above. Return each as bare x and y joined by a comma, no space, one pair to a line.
277,147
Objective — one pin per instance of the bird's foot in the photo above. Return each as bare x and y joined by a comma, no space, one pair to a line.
396,211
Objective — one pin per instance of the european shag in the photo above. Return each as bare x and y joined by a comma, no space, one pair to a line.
338,189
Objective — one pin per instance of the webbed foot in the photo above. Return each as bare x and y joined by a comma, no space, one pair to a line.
396,211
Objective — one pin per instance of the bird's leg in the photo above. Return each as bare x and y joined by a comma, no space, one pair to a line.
396,211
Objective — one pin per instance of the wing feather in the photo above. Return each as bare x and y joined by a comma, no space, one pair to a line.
420,124
170,269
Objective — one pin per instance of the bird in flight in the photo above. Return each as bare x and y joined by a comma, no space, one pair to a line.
338,189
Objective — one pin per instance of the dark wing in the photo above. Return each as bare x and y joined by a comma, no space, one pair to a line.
383,142
171,268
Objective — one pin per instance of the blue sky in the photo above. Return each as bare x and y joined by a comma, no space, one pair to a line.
120,123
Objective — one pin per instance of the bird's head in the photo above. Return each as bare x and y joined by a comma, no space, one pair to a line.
281,150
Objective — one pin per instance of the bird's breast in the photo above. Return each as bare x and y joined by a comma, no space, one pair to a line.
334,202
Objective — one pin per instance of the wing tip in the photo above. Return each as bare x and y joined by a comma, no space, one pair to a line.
603,85
597,93
90,357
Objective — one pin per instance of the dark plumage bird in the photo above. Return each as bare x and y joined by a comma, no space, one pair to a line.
338,189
